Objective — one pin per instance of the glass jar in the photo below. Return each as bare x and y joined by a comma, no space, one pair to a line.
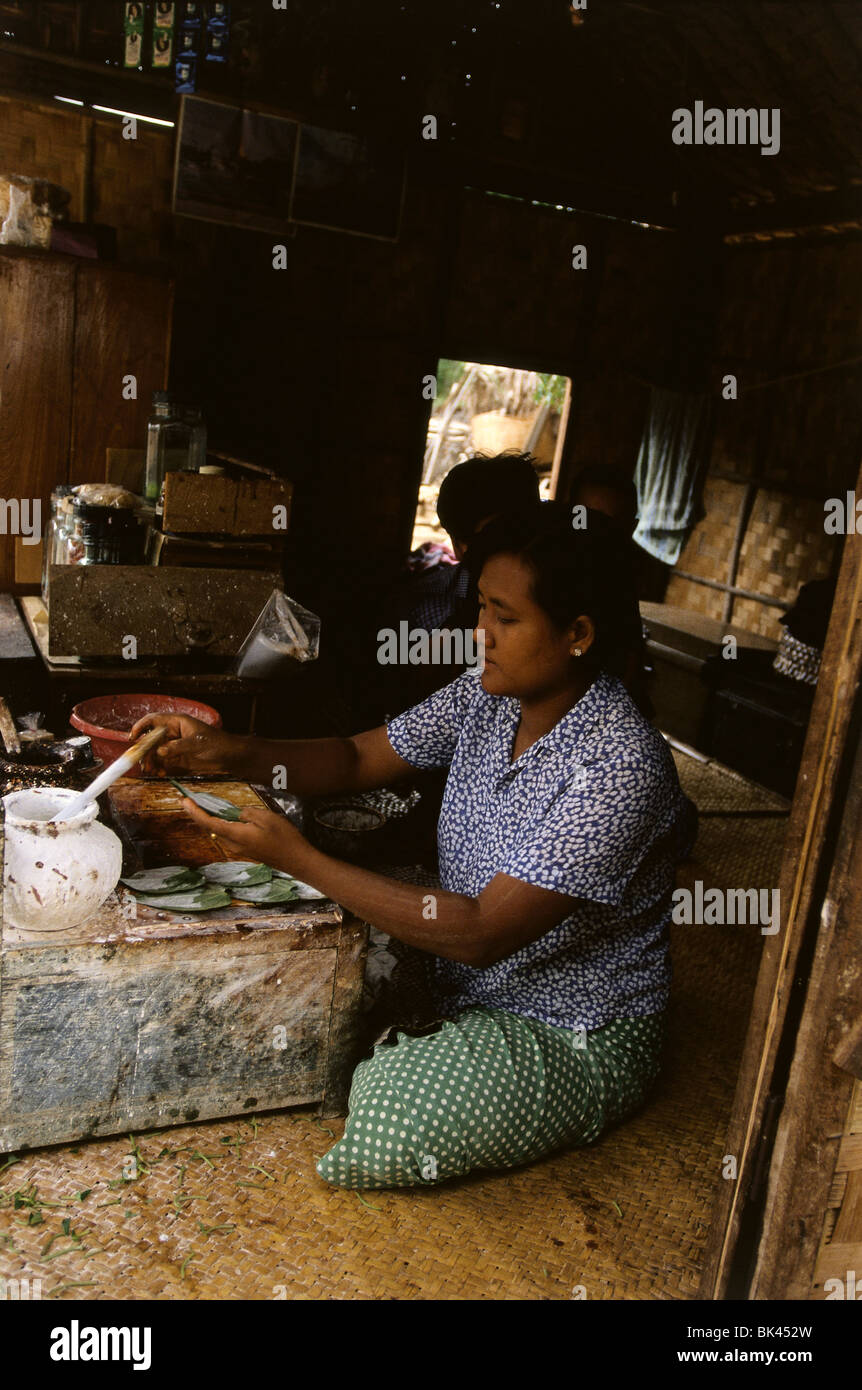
106,535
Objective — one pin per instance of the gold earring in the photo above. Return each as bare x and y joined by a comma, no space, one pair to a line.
576,651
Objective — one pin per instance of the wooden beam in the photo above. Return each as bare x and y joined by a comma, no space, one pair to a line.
38,76
820,210
584,194
806,852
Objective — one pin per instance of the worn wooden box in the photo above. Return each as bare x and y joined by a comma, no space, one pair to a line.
170,611
135,1023
207,504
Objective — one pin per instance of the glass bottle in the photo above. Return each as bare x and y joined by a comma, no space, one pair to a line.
54,539
168,444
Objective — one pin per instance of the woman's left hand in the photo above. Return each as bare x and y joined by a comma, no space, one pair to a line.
259,834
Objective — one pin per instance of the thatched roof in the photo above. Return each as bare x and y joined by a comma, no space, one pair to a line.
576,107
535,98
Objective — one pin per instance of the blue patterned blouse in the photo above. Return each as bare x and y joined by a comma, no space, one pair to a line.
592,809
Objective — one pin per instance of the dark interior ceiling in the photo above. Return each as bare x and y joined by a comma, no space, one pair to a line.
572,107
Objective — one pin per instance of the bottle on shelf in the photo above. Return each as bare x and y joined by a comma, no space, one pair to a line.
169,438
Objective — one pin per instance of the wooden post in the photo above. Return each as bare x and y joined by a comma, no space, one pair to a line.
807,1143
810,840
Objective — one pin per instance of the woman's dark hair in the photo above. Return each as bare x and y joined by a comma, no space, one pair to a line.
485,486
588,572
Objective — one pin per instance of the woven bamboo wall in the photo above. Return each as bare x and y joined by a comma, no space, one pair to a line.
784,547
708,549
46,143
132,188
697,598
128,182
790,316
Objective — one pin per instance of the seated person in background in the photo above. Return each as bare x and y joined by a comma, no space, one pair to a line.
800,646
444,598
604,490
470,495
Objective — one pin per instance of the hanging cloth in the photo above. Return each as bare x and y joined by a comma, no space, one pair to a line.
670,469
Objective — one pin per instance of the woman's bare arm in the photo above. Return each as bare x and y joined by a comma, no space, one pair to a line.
309,767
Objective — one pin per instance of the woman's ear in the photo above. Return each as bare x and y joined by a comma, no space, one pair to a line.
582,635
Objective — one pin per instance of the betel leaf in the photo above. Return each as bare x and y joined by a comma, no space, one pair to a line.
275,892
174,878
236,873
199,900
213,805
301,890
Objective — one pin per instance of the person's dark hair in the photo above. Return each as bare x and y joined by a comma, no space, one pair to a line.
576,573
485,486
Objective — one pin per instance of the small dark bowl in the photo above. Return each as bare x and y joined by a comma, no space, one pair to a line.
346,829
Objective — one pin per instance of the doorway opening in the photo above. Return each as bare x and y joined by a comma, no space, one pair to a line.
480,408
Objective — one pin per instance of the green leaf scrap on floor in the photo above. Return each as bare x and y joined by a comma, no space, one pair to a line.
141,1165
619,1212
367,1204
210,1230
182,1199
13,1158
76,1284
186,1262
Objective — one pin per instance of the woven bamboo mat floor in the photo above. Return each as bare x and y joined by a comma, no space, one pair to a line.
234,1209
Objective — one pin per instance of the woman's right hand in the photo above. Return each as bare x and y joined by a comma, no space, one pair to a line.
190,745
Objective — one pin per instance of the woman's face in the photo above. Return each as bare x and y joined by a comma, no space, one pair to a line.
526,656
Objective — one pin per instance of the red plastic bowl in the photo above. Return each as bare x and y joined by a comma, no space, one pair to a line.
107,719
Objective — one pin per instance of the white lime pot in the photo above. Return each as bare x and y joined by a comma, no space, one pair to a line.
55,875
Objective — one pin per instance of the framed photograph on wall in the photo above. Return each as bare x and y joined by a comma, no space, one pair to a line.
234,165
348,183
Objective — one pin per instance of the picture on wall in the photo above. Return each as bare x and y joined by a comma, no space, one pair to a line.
233,165
348,182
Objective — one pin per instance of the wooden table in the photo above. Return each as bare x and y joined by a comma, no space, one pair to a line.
141,1018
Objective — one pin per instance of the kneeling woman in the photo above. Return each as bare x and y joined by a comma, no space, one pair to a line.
545,953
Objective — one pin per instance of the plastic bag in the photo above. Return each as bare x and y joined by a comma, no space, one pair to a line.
285,632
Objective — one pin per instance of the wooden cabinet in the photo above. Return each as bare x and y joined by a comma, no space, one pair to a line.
71,333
